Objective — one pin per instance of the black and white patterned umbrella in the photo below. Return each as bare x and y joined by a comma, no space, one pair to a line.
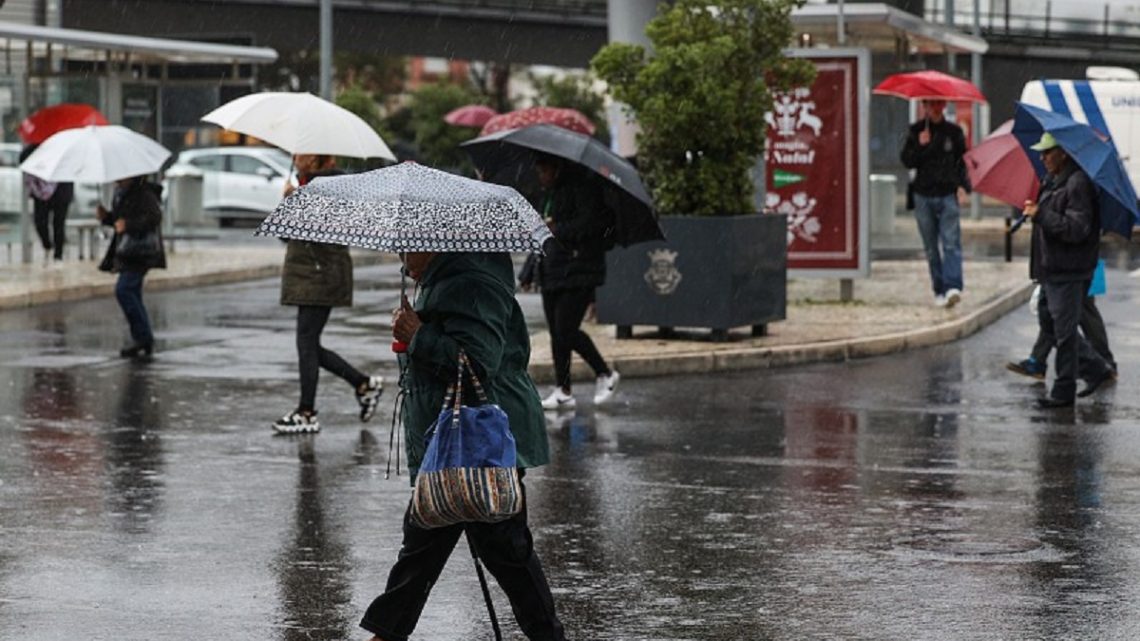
407,208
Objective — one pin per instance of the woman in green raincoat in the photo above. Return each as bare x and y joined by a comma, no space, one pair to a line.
466,301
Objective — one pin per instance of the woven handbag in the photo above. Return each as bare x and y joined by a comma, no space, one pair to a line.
469,472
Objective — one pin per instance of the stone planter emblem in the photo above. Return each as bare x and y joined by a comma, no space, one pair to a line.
663,275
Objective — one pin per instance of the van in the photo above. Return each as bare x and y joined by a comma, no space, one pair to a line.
1110,106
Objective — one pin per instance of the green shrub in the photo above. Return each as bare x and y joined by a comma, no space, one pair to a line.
701,96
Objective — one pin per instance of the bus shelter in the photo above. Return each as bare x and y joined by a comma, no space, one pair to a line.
156,86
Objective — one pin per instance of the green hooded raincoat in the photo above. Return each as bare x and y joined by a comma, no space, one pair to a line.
467,301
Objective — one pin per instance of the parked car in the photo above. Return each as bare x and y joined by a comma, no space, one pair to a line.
238,182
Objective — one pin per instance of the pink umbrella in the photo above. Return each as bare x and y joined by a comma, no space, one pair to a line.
474,116
999,168
571,119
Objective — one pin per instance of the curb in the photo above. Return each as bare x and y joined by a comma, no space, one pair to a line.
788,355
155,283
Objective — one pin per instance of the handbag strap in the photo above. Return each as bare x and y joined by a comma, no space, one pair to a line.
454,396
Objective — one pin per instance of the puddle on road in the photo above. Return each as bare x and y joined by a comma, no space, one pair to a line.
968,548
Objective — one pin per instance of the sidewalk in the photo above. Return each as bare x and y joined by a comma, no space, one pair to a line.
892,311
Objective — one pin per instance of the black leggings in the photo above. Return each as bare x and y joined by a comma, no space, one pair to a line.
506,548
51,223
311,356
565,309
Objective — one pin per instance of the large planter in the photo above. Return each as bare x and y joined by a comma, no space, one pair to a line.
712,272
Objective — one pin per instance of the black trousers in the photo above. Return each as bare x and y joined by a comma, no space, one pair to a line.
505,548
50,218
1092,326
1059,314
565,309
311,357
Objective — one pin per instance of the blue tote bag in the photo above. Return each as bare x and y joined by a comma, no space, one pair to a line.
469,472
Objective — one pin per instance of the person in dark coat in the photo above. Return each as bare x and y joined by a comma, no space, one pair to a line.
934,148
136,215
316,278
50,203
573,267
1063,255
466,301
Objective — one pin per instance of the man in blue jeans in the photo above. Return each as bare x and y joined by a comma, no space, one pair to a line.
934,149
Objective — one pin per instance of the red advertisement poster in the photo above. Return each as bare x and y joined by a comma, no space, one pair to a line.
814,167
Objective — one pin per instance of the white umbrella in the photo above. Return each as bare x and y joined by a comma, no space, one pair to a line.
409,207
301,123
95,154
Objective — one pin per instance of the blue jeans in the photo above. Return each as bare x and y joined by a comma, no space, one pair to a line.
937,218
128,290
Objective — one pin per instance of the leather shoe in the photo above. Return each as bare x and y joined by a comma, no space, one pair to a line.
1048,402
1108,376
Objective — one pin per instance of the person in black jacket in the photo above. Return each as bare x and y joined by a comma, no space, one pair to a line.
573,267
136,215
1063,254
934,148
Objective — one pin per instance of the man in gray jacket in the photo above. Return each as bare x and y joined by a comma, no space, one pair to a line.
1063,255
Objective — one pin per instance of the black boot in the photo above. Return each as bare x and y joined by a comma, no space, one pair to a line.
138,350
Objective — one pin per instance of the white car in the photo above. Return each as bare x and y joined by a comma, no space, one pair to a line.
238,182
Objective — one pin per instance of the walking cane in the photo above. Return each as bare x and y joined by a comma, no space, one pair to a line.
483,584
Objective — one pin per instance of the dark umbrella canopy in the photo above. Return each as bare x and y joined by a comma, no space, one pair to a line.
508,157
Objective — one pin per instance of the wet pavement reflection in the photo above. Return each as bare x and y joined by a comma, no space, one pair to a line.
917,496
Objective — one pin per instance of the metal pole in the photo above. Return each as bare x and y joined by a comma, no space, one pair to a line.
840,25
979,127
951,61
25,103
326,49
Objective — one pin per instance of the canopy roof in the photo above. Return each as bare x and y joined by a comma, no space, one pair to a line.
89,44
883,28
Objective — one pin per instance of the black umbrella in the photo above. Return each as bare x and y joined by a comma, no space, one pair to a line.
507,157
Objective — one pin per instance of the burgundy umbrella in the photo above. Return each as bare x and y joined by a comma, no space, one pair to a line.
999,168
474,116
571,119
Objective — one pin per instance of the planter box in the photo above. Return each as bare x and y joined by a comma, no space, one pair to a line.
713,272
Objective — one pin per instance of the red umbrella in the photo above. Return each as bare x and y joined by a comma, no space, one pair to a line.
929,85
40,126
1000,169
571,119
470,116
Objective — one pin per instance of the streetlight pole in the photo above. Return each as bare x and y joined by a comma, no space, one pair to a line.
326,49
979,128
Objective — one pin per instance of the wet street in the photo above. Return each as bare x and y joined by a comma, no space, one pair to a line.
917,496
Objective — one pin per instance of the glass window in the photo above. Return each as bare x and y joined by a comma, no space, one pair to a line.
211,162
248,165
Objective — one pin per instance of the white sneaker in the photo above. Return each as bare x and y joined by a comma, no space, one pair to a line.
370,397
939,300
296,422
605,387
953,297
559,400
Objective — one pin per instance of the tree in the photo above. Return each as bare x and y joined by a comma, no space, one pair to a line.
437,141
575,91
701,97
360,102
